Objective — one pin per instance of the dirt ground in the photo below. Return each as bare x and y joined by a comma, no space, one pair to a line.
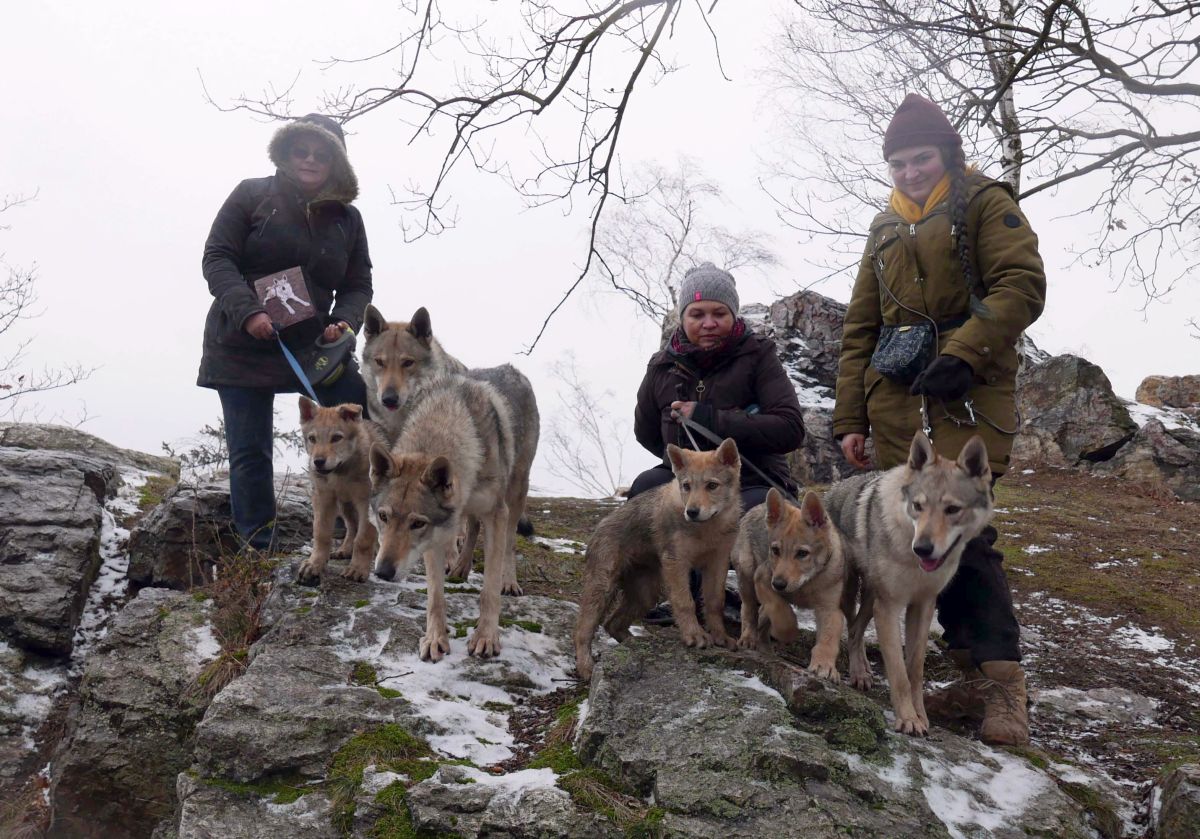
1106,583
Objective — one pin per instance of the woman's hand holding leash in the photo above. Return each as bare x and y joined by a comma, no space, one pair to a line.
948,378
682,409
259,326
854,447
334,330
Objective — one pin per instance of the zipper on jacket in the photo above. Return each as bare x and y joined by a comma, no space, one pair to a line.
263,229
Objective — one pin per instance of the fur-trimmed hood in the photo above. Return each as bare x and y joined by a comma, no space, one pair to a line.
343,183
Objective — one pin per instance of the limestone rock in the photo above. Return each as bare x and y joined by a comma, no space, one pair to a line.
114,771
51,509
24,435
1171,392
1179,816
209,812
1071,416
177,544
1166,454
798,757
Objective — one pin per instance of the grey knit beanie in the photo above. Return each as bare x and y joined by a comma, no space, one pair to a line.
708,282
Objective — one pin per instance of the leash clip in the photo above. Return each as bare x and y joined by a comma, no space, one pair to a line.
925,424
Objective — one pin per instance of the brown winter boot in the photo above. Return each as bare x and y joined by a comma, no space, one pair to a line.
961,699
1005,716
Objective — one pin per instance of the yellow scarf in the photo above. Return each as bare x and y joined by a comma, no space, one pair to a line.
910,210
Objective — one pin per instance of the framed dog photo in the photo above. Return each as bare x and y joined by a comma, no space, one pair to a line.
285,297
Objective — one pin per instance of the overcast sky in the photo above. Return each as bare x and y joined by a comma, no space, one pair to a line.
108,124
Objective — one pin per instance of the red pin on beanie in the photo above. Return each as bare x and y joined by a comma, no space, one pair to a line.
918,122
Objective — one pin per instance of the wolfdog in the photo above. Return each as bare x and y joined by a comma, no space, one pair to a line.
338,441
457,455
653,541
399,359
791,556
907,528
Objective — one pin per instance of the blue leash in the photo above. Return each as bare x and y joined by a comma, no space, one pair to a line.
291,359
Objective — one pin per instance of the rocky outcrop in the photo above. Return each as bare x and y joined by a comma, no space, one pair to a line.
1179,810
26,435
1070,415
51,510
130,734
177,544
799,757
1181,392
1164,454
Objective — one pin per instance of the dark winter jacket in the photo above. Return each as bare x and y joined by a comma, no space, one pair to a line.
265,226
725,396
920,267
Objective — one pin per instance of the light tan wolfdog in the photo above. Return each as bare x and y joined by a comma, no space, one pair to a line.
653,541
457,455
791,556
338,441
907,528
399,359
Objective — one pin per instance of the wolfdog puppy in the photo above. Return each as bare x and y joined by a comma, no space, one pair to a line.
653,541
399,359
791,556
457,456
338,441
907,528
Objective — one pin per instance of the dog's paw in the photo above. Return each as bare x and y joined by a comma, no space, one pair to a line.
824,670
358,573
720,639
583,666
512,588
785,634
307,574
484,643
911,725
860,679
748,641
343,552
697,638
434,646
458,570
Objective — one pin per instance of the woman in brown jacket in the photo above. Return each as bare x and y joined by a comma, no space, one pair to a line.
953,252
720,375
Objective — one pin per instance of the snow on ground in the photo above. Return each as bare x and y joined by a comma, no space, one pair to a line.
26,694
1169,418
203,646
1035,549
1135,638
973,796
560,546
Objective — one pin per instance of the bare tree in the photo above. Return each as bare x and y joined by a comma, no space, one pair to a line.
204,455
1053,92
17,300
645,244
533,64
585,446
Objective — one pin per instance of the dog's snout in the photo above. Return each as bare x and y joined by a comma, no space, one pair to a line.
390,399
693,513
385,573
923,549
319,462
778,584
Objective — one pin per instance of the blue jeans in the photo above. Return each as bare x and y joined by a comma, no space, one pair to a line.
249,415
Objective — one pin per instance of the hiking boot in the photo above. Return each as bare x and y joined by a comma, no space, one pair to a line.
962,699
1005,715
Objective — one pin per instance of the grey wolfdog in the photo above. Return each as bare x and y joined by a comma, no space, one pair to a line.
399,360
460,453
906,529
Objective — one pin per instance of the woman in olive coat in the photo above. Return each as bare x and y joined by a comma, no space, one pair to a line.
953,251
300,216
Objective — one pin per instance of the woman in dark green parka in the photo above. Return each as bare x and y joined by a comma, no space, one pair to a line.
951,249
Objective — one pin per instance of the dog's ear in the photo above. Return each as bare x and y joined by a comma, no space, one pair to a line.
973,459
921,452
774,507
350,412
308,409
437,477
814,510
382,464
373,322
677,457
727,453
420,327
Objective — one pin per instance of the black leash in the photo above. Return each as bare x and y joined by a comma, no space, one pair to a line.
688,426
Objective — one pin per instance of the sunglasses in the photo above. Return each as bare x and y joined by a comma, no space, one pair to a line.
300,152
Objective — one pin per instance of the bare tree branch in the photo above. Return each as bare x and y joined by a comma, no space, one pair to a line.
585,446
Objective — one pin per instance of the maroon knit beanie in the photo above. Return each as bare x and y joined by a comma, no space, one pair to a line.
918,122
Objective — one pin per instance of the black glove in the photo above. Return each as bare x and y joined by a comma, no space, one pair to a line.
948,378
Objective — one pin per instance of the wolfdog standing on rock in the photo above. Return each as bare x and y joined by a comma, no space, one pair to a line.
399,359
906,529
460,453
